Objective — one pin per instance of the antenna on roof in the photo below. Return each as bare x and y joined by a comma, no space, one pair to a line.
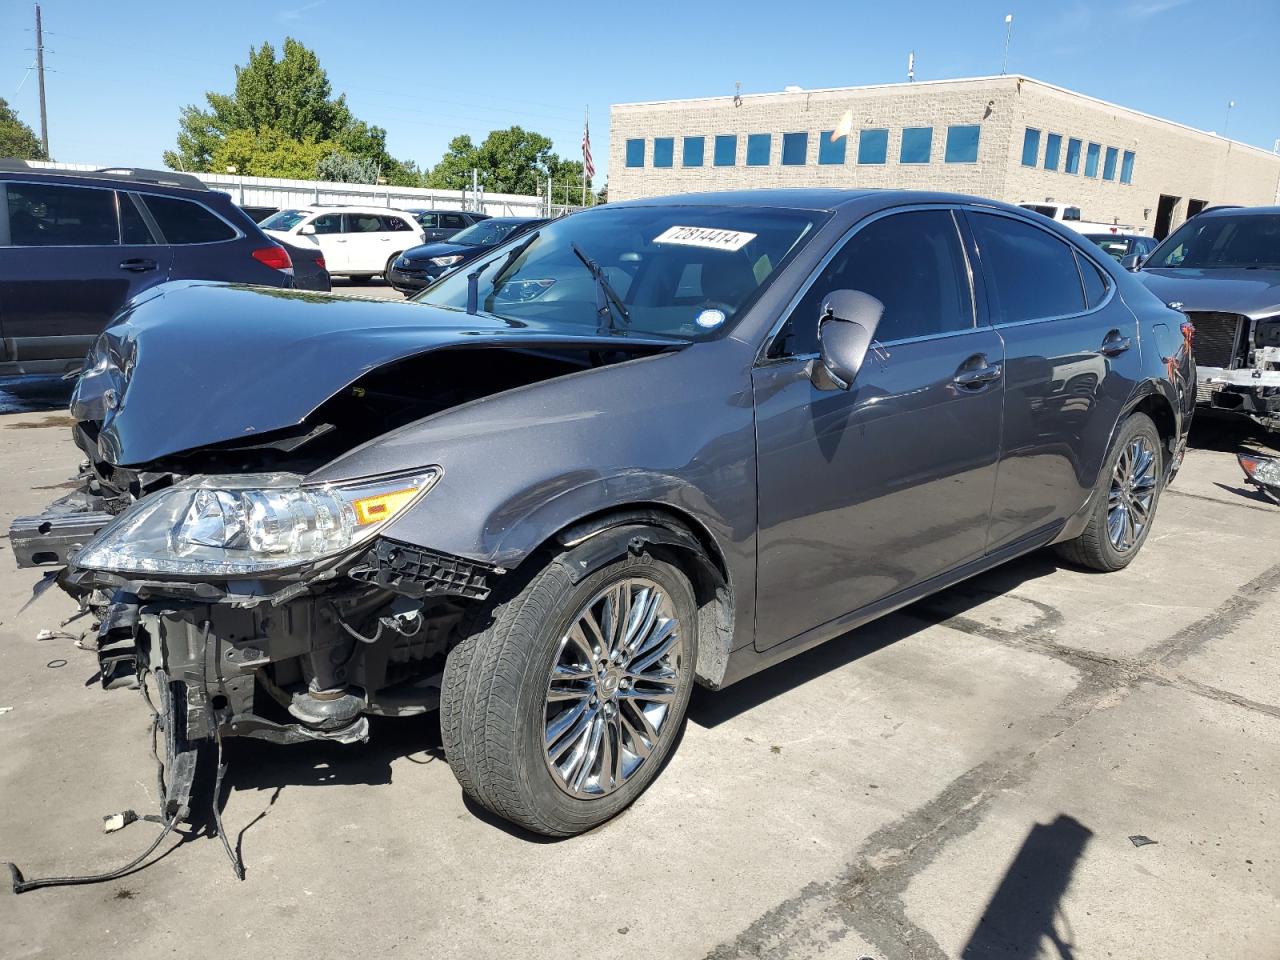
737,93
911,67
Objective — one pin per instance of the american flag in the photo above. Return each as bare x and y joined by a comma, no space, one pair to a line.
586,151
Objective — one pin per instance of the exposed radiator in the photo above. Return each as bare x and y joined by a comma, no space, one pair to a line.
1218,339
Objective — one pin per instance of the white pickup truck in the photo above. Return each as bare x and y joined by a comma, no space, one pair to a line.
1069,216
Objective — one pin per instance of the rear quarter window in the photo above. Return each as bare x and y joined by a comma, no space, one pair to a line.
185,222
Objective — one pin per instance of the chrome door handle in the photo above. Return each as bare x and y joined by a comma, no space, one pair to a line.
978,377
1115,344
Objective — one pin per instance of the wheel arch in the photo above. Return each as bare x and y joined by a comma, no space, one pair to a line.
587,544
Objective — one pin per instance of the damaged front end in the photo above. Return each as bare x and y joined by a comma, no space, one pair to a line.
278,606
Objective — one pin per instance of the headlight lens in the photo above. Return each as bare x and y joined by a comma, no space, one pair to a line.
445,261
238,525
1265,470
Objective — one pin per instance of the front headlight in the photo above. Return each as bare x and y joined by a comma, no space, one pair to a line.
445,261
241,525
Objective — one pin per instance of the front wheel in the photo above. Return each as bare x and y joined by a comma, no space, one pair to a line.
561,708
1124,501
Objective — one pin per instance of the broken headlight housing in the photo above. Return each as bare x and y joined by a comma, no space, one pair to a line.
247,524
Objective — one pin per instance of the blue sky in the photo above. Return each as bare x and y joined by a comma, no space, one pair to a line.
120,72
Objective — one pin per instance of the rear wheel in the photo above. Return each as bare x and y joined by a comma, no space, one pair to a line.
560,711
1124,502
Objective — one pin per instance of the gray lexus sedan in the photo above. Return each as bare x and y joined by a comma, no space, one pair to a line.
656,443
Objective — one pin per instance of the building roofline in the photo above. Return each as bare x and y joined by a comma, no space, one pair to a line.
991,80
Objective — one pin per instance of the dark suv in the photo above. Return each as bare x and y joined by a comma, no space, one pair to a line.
443,224
76,245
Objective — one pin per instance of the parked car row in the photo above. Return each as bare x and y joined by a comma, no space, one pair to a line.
78,245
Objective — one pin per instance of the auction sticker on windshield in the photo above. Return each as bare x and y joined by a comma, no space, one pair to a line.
708,237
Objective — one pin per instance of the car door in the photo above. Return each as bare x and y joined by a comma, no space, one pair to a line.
397,237
200,243
866,492
1071,362
451,223
328,234
363,234
65,272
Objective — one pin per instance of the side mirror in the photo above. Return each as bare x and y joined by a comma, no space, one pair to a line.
307,230
846,327
1132,261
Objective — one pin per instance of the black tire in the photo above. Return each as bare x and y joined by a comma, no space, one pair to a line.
493,706
360,278
1094,548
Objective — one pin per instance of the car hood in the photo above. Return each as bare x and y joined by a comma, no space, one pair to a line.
1254,293
195,363
442,248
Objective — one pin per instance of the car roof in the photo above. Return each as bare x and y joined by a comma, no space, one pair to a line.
438,210
1229,211
816,199
1117,236
117,175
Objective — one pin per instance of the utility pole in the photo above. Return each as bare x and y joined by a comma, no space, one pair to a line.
44,122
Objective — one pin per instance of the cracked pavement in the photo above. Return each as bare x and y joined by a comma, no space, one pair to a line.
960,779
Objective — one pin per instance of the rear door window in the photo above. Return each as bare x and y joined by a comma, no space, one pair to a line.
184,222
1095,284
51,215
394,224
452,221
364,223
911,262
1030,273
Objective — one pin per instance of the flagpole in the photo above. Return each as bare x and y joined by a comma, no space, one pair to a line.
585,121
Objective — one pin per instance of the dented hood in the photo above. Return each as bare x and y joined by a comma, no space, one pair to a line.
192,364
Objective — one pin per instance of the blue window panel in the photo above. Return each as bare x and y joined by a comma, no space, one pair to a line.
830,151
962,144
1126,167
693,149
635,153
1030,147
726,150
1091,160
664,149
917,144
873,146
1052,151
758,146
795,149
1073,156
1109,164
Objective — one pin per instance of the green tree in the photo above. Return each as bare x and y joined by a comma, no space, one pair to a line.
514,160
17,140
287,97
341,167
270,153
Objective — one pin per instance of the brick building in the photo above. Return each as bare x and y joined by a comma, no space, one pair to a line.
1011,138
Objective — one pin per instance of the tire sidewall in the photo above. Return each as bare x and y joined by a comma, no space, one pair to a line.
565,812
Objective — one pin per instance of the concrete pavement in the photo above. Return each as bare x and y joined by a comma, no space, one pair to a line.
960,779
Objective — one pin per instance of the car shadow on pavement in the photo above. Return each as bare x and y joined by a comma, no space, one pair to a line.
1021,914
711,708
1230,433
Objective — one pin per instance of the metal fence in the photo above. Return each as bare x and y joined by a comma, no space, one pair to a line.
281,194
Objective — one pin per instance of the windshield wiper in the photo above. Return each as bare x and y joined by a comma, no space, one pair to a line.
605,294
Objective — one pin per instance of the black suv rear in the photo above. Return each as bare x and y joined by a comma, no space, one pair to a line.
75,245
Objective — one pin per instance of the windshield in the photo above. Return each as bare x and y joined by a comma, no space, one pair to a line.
679,271
284,220
486,232
1249,240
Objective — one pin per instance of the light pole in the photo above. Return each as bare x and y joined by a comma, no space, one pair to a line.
1008,32
1227,122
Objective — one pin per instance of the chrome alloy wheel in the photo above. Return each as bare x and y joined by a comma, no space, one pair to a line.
1133,490
613,683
